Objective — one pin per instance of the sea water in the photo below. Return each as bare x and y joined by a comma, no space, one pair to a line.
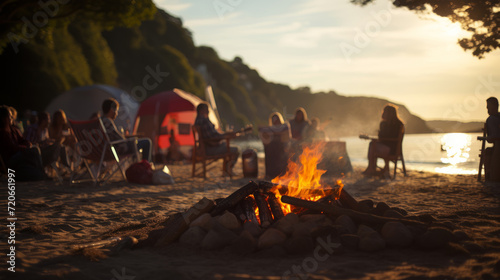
450,153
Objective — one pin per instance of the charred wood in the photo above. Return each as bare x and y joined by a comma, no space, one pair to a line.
264,213
248,205
235,198
275,207
334,210
239,212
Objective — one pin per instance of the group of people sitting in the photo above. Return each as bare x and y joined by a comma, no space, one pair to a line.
39,141
42,143
33,146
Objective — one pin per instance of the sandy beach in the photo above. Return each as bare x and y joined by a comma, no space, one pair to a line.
51,218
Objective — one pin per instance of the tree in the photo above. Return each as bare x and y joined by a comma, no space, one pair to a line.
21,20
480,17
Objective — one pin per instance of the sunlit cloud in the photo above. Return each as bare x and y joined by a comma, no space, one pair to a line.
405,57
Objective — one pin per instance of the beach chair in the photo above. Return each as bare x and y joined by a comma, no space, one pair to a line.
200,156
398,155
94,147
482,154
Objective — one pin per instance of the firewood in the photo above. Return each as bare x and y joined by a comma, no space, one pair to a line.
235,198
350,202
275,207
326,200
264,212
269,187
334,210
174,229
248,205
238,211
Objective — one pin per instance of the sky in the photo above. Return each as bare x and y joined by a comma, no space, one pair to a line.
377,50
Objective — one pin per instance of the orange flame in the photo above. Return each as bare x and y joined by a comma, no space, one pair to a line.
303,177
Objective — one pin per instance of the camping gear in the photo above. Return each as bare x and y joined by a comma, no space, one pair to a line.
166,112
140,173
250,164
93,146
163,177
82,103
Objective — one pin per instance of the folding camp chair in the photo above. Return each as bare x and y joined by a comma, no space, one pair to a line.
94,146
199,155
399,154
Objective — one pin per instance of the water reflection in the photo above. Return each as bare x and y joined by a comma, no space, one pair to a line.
457,148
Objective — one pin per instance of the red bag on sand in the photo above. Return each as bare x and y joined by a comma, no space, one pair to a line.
140,173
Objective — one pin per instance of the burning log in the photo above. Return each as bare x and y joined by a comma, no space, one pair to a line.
264,213
270,187
275,207
248,208
235,198
337,211
325,200
180,223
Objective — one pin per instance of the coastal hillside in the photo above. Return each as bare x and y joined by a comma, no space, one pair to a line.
78,51
455,126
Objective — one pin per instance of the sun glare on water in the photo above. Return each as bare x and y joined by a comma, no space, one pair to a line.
457,149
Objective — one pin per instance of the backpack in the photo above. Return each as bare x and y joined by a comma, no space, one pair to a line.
140,173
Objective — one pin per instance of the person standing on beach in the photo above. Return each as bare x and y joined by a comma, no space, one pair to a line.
110,109
299,124
492,155
212,138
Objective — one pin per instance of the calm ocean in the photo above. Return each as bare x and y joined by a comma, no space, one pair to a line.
451,153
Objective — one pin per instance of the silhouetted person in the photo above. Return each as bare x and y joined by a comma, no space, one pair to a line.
299,124
38,134
18,153
174,152
212,138
110,109
314,132
60,132
386,144
276,140
492,155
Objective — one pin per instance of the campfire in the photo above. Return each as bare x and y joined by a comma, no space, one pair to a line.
295,211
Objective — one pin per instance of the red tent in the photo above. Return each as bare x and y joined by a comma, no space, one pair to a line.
168,111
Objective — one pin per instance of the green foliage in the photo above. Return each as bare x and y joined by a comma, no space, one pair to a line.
480,17
97,53
21,20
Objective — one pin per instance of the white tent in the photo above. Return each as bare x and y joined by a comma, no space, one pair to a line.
82,102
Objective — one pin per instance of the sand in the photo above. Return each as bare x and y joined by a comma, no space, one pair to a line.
52,218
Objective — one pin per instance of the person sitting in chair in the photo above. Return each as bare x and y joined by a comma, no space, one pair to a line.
110,109
386,144
212,138
492,155
18,153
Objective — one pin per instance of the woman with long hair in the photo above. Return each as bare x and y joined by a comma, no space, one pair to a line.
388,137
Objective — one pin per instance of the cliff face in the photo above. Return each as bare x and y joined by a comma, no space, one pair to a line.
82,53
